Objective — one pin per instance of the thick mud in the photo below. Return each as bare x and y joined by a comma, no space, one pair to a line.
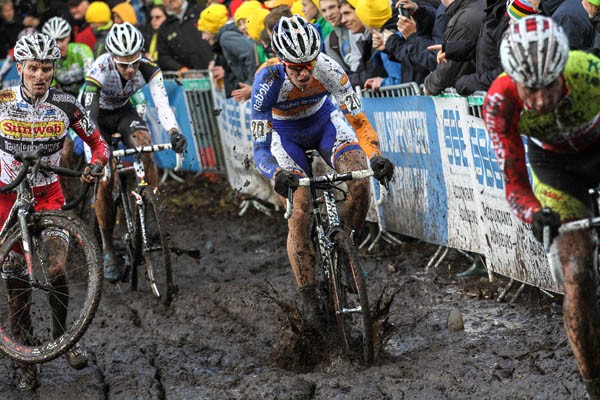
226,336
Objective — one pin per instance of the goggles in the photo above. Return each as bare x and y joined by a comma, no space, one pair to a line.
128,64
299,67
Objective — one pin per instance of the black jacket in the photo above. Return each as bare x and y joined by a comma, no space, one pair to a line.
180,44
464,23
573,18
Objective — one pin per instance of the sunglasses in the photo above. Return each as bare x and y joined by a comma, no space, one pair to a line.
300,67
128,64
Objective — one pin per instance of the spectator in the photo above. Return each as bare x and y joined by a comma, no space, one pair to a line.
361,47
99,17
572,17
378,16
235,58
27,12
124,12
82,31
313,14
180,45
158,15
9,28
255,24
464,23
592,7
241,14
271,4
425,26
337,43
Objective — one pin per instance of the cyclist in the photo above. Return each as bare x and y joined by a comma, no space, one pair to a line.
291,113
114,77
69,76
551,96
34,116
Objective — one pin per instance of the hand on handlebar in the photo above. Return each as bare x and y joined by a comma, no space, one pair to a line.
178,141
284,181
383,169
91,172
545,217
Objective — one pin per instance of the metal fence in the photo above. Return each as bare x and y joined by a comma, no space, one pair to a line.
200,108
404,89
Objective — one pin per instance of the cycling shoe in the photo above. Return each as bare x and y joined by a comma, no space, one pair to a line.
111,269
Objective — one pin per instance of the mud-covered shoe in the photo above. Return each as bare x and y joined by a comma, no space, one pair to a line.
311,306
111,268
26,377
77,357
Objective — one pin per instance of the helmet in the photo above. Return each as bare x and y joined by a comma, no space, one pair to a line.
534,51
36,46
295,40
57,28
124,40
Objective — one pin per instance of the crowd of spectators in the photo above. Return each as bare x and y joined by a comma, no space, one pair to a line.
438,44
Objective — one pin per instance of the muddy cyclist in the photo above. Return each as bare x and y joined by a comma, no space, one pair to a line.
552,96
292,113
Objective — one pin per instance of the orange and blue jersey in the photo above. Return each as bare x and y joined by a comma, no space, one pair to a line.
290,119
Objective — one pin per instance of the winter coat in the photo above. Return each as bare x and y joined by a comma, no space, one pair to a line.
464,23
180,43
239,59
573,18
337,46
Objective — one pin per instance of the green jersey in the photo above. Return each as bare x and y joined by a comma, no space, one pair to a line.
70,71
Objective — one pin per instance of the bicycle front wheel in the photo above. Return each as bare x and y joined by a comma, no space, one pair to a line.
46,309
154,247
349,296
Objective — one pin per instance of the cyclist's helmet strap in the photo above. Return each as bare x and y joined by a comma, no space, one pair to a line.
124,40
534,51
37,46
295,40
57,28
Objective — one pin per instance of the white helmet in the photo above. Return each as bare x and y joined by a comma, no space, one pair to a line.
36,46
124,40
534,51
57,28
295,40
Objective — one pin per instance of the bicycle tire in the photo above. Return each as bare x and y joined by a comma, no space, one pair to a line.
83,270
349,292
155,252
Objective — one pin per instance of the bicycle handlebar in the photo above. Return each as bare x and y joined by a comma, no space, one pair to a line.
323,179
150,149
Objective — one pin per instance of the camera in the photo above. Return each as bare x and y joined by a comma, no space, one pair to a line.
404,12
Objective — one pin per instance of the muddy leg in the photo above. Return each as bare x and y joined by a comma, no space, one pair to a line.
56,253
299,246
105,212
357,205
580,307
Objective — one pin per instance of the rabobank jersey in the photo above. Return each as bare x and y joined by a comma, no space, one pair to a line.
27,127
278,105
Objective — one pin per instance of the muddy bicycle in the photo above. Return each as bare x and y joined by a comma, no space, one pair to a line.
45,309
339,265
144,240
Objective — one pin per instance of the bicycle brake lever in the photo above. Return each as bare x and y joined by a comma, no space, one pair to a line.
178,162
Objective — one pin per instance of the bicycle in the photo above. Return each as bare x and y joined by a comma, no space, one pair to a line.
51,309
143,239
339,266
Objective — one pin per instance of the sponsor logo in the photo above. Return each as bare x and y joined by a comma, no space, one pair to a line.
38,129
262,91
7,95
16,146
62,97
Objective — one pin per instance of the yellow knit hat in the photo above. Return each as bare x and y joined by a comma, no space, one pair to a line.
255,24
297,9
353,3
374,13
275,3
246,9
212,18
98,13
126,12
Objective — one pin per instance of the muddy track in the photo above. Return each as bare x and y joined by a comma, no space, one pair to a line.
225,337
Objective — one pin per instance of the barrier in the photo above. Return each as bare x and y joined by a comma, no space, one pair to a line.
404,89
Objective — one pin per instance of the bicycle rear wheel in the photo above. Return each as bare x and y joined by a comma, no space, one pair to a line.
51,309
154,247
349,297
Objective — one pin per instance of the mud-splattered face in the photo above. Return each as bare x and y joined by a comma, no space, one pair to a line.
300,74
37,76
543,100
